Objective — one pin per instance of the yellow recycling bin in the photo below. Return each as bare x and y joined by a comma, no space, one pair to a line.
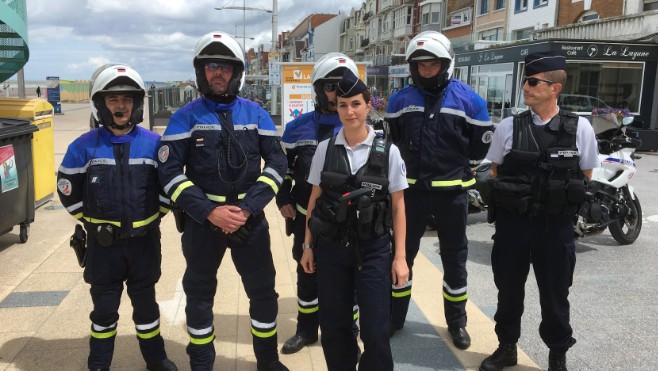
40,113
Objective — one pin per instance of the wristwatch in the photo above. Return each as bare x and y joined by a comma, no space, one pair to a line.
307,246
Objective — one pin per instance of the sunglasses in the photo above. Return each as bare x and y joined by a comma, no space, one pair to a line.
330,87
533,81
213,66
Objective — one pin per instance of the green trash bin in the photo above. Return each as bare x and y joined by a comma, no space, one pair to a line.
16,176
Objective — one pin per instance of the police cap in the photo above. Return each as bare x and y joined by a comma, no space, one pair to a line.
544,62
350,85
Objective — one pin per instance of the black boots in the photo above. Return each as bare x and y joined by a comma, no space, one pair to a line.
164,365
272,366
297,342
460,337
504,356
557,360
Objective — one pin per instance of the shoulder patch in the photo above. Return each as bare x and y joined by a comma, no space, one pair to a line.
403,169
486,137
64,186
163,153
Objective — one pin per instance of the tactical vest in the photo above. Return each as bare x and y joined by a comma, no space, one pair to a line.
365,217
541,173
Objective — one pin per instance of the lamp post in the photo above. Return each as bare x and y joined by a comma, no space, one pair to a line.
274,12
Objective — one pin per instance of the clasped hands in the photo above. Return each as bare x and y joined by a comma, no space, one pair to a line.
228,218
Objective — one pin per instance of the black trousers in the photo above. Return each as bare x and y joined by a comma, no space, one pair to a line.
548,244
307,285
204,249
450,209
338,278
137,262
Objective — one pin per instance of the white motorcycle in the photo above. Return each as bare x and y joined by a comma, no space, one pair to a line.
610,201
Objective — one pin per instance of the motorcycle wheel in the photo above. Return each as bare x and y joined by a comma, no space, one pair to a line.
627,230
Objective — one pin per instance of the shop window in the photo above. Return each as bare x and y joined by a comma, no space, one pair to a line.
616,84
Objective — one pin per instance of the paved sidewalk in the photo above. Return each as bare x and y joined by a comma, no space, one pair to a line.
45,303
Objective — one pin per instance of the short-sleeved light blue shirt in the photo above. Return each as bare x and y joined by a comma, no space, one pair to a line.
397,173
501,142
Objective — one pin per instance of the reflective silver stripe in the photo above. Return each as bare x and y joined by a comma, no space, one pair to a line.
405,285
474,163
453,291
462,114
274,174
143,161
148,326
164,200
101,328
300,143
405,110
74,207
268,133
73,170
199,332
307,303
262,325
245,127
355,308
178,179
171,138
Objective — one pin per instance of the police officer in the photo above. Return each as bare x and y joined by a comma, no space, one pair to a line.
300,140
210,166
108,180
442,128
358,181
540,159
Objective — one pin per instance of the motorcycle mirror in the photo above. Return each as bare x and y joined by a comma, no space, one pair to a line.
627,120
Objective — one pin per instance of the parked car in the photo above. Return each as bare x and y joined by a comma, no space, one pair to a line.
580,103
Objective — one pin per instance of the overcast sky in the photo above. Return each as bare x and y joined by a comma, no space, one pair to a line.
70,38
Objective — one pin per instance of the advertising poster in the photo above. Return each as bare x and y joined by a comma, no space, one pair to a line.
8,172
297,89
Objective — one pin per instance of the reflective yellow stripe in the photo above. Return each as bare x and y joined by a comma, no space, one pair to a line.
401,294
150,334
142,223
308,310
164,210
270,182
101,221
356,316
181,187
411,181
455,298
452,183
217,198
78,216
202,341
263,334
288,177
103,335
300,209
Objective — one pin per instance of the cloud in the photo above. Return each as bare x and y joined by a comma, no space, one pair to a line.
156,37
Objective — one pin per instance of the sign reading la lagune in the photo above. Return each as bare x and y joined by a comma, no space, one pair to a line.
572,50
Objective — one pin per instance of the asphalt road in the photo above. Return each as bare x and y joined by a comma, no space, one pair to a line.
613,298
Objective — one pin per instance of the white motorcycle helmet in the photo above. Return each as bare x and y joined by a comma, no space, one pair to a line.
219,47
430,45
329,67
116,78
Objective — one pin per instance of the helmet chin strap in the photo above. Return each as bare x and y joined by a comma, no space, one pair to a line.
114,125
